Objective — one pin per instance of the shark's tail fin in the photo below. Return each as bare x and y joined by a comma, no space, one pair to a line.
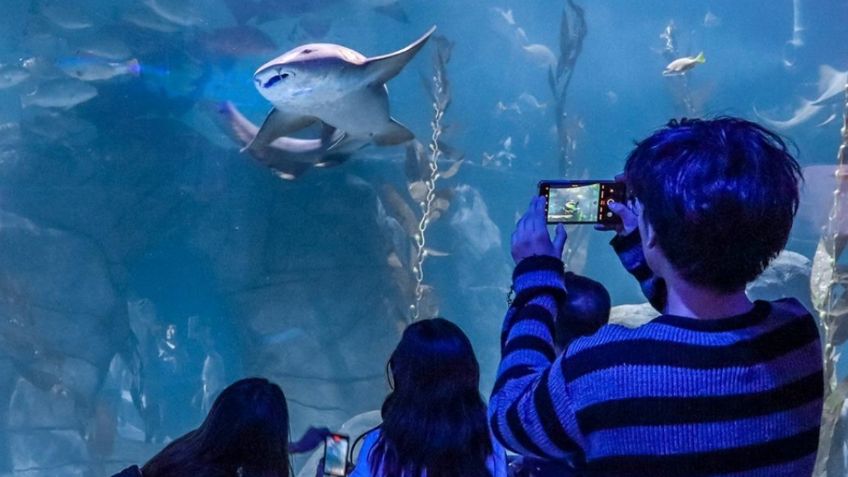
701,58
133,67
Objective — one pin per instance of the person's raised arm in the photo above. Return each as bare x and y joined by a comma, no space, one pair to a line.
627,244
530,409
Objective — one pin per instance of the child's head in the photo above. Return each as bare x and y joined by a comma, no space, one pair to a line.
720,196
585,309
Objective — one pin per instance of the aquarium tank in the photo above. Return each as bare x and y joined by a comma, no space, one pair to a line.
163,235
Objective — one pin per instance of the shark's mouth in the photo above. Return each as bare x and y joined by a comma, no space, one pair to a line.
271,82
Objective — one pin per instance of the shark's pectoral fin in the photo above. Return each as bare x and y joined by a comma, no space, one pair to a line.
393,133
380,69
278,124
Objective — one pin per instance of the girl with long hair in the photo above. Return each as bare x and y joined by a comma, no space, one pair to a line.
434,419
245,435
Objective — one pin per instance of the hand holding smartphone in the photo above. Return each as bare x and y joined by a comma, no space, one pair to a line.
335,455
581,202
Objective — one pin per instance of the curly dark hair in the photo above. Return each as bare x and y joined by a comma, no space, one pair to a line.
721,195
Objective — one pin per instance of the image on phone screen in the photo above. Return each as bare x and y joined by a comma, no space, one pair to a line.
335,454
574,204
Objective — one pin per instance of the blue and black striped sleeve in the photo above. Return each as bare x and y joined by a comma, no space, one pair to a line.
629,250
530,410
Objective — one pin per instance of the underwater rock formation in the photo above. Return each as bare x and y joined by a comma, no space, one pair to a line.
788,275
62,322
633,316
218,266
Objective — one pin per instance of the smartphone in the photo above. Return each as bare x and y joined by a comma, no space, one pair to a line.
581,202
335,454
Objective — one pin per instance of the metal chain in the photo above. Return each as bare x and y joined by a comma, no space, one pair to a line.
427,204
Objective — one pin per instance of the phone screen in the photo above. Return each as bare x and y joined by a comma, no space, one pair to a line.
581,202
335,454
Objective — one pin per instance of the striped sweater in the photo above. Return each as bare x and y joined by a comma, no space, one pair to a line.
737,396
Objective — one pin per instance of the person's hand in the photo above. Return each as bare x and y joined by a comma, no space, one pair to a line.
531,236
628,222
312,438
319,471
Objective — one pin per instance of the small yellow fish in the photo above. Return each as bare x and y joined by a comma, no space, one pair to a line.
681,65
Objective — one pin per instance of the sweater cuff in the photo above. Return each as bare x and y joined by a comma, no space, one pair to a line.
623,243
538,271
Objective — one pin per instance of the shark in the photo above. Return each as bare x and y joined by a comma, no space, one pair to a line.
830,86
339,92
802,114
336,87
831,83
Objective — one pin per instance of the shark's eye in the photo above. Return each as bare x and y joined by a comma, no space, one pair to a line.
306,51
284,75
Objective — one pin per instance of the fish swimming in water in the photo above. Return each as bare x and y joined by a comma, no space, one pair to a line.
95,69
711,20
104,46
390,8
66,15
180,12
61,93
59,127
336,86
540,54
681,65
143,17
12,76
236,42
41,68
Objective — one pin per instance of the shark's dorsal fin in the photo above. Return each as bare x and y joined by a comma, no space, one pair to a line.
380,69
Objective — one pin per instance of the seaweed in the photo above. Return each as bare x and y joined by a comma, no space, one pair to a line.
829,287
571,35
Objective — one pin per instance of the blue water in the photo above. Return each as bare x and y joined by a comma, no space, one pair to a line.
145,262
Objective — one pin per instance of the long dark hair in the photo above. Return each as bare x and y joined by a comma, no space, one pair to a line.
247,431
434,419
